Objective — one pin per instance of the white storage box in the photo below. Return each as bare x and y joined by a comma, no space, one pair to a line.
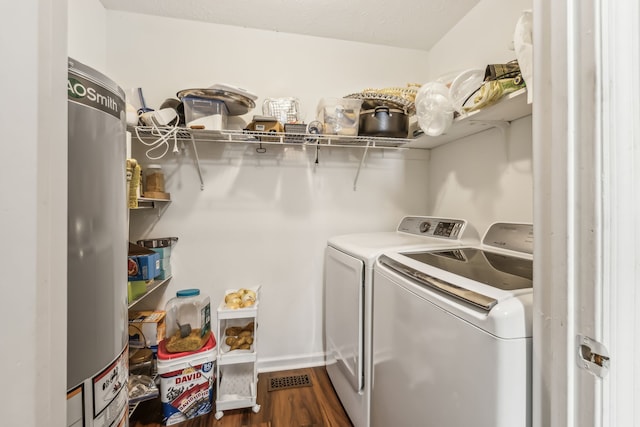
205,113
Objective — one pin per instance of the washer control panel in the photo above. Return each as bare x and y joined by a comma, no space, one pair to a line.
432,227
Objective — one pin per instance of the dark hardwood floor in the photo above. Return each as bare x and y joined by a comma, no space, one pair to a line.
315,406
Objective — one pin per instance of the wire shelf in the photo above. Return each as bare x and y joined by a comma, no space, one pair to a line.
277,138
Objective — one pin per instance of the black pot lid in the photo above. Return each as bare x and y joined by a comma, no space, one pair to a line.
236,103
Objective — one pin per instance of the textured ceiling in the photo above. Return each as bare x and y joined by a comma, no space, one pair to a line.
416,24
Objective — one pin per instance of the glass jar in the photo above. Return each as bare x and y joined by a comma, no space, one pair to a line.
154,179
188,321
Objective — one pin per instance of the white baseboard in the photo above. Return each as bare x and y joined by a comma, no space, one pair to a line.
271,364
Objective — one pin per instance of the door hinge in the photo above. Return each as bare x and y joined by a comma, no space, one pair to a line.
592,356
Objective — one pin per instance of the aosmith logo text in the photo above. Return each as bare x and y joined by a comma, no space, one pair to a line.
78,90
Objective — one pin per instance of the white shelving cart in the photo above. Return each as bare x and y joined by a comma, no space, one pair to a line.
237,375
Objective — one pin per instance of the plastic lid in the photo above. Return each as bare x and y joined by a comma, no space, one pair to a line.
188,293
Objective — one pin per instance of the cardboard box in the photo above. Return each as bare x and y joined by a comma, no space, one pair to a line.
150,324
266,124
143,263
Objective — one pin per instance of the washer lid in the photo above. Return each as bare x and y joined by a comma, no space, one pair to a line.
505,313
498,270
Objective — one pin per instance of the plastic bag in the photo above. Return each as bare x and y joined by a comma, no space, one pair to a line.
523,45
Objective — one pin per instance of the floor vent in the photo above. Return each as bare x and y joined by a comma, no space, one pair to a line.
292,381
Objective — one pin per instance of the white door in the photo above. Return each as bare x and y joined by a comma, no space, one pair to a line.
586,209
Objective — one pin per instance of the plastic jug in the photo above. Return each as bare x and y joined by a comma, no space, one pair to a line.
188,321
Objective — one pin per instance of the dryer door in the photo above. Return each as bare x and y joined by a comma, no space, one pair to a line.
344,325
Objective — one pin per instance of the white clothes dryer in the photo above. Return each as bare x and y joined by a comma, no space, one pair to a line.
349,261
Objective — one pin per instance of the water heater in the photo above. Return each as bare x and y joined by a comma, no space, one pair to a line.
97,244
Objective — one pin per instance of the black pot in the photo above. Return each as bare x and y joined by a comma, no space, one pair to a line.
384,121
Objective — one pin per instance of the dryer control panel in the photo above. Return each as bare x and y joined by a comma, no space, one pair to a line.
432,227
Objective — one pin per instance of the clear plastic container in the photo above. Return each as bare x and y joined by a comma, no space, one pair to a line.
340,116
434,108
188,321
205,113
154,179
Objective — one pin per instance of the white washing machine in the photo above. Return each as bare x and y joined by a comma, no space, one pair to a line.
452,333
349,261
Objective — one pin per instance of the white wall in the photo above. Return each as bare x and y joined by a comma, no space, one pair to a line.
87,34
264,219
485,177
164,55
482,37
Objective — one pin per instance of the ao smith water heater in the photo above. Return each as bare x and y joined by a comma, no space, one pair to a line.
97,335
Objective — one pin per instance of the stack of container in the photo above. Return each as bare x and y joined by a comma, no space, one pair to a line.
163,247
186,358
143,266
